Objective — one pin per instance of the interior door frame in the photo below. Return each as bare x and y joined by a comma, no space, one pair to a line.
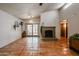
32,29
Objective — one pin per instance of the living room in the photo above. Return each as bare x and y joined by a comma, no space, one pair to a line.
37,29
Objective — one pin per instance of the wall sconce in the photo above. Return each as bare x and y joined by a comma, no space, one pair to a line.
64,28
16,24
21,23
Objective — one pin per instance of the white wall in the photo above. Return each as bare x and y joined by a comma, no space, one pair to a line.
72,14
49,19
7,33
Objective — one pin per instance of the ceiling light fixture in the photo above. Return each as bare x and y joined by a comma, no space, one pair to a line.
29,17
30,21
67,5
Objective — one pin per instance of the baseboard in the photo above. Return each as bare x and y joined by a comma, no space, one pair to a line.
10,42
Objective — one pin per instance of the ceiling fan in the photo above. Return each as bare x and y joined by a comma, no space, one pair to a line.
40,4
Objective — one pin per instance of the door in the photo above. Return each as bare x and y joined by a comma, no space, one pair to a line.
32,29
64,30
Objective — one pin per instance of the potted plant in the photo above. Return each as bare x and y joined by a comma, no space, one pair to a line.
74,41
24,34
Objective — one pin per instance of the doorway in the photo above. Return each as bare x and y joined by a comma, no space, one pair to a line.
32,29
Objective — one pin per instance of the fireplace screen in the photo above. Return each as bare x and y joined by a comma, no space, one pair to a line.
48,33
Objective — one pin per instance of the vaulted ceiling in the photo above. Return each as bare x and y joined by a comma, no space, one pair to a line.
24,10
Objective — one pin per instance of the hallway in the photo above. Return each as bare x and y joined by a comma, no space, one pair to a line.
33,46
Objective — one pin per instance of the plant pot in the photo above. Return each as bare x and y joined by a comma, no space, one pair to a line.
74,43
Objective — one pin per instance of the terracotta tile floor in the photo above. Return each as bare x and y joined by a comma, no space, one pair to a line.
34,46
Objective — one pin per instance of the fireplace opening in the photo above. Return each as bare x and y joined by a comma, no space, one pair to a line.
48,33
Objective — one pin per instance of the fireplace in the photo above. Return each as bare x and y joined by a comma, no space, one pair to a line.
48,32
